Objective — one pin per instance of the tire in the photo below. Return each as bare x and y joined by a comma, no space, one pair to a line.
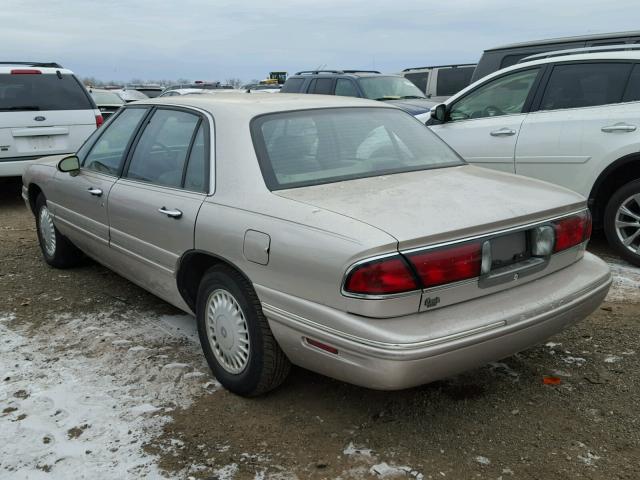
56,249
623,198
237,342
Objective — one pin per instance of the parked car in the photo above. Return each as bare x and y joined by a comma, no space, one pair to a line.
149,89
334,233
199,85
108,101
440,82
370,84
569,117
198,91
128,95
44,110
494,59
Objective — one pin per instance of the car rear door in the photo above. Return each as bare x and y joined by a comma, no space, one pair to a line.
43,113
153,207
79,200
574,126
483,125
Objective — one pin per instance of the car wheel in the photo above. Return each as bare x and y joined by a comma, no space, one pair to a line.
622,222
57,250
235,335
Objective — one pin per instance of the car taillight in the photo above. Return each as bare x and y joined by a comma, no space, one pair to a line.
571,231
447,265
25,71
99,121
381,277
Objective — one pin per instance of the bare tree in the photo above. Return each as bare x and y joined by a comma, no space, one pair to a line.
234,82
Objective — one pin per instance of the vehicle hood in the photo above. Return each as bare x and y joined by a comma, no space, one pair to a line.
414,106
432,206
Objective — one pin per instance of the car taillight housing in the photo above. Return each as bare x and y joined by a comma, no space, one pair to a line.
99,121
571,231
381,277
447,265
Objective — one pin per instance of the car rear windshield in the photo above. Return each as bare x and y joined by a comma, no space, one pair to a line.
311,147
389,88
106,98
22,92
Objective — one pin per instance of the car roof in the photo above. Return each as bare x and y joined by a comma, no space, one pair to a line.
578,38
344,73
249,106
453,65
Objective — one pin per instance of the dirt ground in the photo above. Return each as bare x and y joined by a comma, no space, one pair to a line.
499,421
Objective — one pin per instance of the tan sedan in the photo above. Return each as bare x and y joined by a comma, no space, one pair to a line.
336,234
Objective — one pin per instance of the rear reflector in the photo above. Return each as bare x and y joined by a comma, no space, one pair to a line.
99,121
381,277
571,231
321,346
447,265
25,71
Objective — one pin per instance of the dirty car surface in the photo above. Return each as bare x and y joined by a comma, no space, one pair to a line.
336,234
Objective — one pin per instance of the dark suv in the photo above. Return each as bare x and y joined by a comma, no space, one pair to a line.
370,84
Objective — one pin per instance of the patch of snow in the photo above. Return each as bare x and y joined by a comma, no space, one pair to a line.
589,458
351,449
83,408
626,282
482,460
384,470
578,361
612,359
228,472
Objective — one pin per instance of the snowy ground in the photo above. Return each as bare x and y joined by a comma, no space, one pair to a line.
79,397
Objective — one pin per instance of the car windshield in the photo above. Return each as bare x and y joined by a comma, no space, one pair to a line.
389,88
42,92
105,98
311,147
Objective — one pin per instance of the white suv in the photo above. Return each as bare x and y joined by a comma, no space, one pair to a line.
570,117
44,110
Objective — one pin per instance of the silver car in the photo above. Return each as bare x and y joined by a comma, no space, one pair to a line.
333,233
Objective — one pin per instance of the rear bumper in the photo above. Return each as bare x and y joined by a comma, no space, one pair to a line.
402,352
15,166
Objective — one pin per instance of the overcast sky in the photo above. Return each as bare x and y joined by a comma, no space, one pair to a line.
216,40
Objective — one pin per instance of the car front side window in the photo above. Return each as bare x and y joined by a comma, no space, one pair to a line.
162,151
107,153
503,96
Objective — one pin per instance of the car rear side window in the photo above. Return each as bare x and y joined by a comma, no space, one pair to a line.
632,94
292,85
161,153
311,147
322,86
346,88
42,92
195,175
107,154
452,80
585,85
419,79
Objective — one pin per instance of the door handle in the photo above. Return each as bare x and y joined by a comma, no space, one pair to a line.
503,132
96,192
170,213
619,127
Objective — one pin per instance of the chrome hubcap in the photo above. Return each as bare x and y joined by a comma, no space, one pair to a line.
628,223
227,331
47,232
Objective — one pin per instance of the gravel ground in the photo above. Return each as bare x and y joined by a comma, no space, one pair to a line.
99,379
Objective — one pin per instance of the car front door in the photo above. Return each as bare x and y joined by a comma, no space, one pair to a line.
574,125
483,125
79,199
153,207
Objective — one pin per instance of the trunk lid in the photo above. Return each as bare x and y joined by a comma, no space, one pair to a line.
433,206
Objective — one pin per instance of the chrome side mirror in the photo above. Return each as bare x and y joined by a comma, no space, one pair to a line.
69,164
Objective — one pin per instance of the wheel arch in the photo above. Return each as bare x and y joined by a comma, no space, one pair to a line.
33,190
191,268
618,173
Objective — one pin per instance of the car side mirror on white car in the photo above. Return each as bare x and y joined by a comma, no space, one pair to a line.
439,113
70,164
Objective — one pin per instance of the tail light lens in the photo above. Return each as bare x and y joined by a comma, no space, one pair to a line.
447,265
99,121
381,277
25,71
571,231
